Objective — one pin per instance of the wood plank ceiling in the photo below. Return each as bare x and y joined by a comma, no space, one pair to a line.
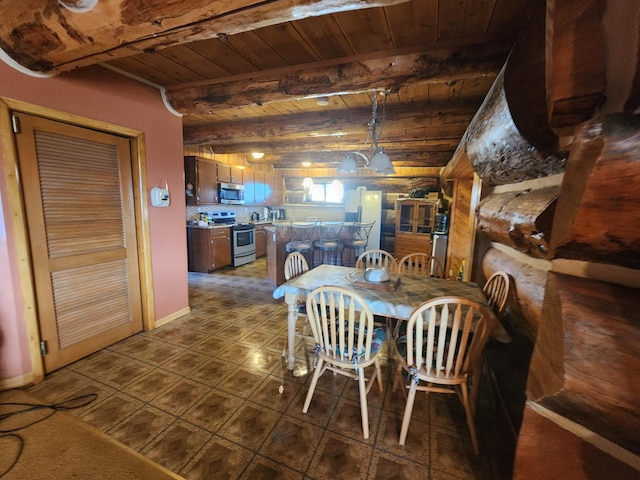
247,75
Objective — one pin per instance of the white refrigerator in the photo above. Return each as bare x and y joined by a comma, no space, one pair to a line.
362,205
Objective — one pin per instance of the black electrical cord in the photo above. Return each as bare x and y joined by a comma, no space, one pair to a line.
76,402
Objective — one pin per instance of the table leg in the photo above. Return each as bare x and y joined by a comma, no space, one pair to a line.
292,317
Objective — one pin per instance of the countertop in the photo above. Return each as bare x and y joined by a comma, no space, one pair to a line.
211,226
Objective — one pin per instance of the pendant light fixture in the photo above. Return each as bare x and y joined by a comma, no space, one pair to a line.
379,161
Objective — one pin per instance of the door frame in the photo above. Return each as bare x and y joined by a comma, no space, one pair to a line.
19,224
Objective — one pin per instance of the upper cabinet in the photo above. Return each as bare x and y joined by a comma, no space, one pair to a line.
229,173
414,224
201,184
203,175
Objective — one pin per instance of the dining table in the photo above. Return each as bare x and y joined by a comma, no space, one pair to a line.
397,298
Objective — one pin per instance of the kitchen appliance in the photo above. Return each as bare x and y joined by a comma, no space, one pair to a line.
439,250
231,193
365,206
221,218
255,217
282,214
243,245
441,224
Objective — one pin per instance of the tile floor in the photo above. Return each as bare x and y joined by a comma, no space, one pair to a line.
209,396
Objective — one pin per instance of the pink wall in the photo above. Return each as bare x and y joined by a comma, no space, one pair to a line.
103,95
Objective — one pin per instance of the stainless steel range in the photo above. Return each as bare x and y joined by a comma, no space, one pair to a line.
243,247
243,243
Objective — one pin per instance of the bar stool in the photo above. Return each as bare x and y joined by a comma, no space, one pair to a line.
327,243
301,239
357,243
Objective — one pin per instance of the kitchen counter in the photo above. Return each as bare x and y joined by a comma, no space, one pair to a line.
209,226
223,225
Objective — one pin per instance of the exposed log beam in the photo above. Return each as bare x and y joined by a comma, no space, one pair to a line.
425,119
390,72
46,36
599,219
576,59
588,327
521,220
330,173
419,144
498,151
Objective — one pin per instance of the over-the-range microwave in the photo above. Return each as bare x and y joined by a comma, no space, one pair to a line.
231,193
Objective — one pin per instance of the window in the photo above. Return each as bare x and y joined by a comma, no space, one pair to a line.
328,192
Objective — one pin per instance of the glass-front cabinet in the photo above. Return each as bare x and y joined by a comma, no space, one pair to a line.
415,219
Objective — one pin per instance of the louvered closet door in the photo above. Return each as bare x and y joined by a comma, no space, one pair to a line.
78,195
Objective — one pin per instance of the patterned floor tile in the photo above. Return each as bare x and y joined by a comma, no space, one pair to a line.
340,458
137,430
179,397
386,466
213,410
250,425
218,459
292,443
176,446
209,395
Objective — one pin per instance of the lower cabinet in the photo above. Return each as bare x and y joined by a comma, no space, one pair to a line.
261,240
208,248
407,243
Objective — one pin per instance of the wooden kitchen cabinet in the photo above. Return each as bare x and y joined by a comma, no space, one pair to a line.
201,185
261,240
274,188
208,248
260,189
415,219
229,173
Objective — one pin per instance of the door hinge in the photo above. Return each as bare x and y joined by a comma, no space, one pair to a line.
43,348
15,124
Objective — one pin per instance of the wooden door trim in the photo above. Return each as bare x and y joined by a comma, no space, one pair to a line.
19,223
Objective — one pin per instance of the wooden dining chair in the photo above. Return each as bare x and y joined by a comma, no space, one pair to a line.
295,265
443,343
377,258
496,289
421,264
346,341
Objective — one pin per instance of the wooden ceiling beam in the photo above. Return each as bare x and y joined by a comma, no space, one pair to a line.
48,37
449,119
270,146
389,73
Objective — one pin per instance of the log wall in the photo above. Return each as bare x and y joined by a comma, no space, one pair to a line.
575,256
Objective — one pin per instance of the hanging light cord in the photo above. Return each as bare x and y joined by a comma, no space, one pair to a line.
373,132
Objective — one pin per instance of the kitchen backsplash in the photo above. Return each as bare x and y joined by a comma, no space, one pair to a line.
328,213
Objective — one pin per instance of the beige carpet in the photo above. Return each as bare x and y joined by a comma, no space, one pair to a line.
63,447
